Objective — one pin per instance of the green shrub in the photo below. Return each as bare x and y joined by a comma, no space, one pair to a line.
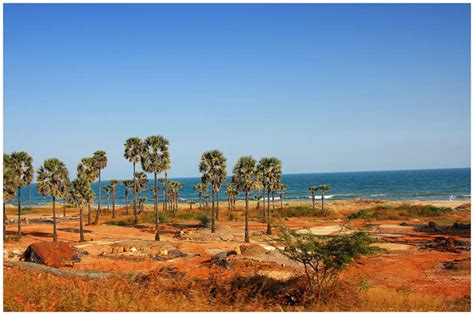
122,222
400,212
302,211
204,220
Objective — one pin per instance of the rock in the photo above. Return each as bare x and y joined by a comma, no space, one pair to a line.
174,253
163,252
432,225
403,224
221,259
276,275
237,250
52,254
5,254
133,249
16,253
464,264
461,226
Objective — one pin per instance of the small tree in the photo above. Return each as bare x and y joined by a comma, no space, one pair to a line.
323,258
113,184
313,190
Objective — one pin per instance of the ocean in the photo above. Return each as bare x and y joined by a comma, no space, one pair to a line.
424,185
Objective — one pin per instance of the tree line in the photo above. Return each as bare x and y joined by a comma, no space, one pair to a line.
152,154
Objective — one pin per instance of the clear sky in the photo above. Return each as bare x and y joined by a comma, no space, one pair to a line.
322,87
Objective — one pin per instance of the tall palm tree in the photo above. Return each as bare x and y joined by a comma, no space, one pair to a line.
282,189
79,195
100,162
155,159
87,171
270,173
244,178
53,181
113,184
128,185
213,170
133,153
323,188
9,185
313,190
22,168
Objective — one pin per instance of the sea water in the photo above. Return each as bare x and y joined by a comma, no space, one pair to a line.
424,185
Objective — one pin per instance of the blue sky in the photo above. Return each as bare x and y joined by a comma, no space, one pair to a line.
322,87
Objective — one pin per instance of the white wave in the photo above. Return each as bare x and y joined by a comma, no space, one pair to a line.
319,197
266,199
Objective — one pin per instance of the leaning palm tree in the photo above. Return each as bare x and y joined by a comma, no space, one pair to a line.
213,169
9,185
100,162
244,178
133,153
128,185
22,168
313,190
323,188
155,159
282,189
79,195
53,181
87,171
113,184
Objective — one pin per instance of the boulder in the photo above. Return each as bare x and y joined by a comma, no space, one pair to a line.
52,254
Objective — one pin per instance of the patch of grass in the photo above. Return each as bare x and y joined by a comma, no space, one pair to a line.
303,211
128,221
400,212
204,220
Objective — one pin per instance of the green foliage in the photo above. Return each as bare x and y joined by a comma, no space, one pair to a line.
122,222
204,220
400,212
325,257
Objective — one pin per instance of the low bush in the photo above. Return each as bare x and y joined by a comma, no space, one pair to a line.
400,212
204,220
302,211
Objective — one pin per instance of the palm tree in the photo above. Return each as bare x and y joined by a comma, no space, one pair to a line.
201,189
133,153
113,183
88,171
100,162
270,173
128,185
323,188
22,168
80,194
9,185
141,184
282,189
155,159
313,190
177,187
244,178
53,181
213,169
206,197
164,182
107,190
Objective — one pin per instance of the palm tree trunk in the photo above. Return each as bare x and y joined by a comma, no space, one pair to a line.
89,213
64,207
55,236
135,196
312,196
217,208
268,203
281,201
157,219
269,224
213,223
322,201
96,221
264,204
81,228
247,239
19,213
113,204
200,200
165,188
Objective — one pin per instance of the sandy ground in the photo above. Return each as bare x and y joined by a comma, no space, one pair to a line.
409,261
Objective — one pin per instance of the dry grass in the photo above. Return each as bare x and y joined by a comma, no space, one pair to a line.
38,291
